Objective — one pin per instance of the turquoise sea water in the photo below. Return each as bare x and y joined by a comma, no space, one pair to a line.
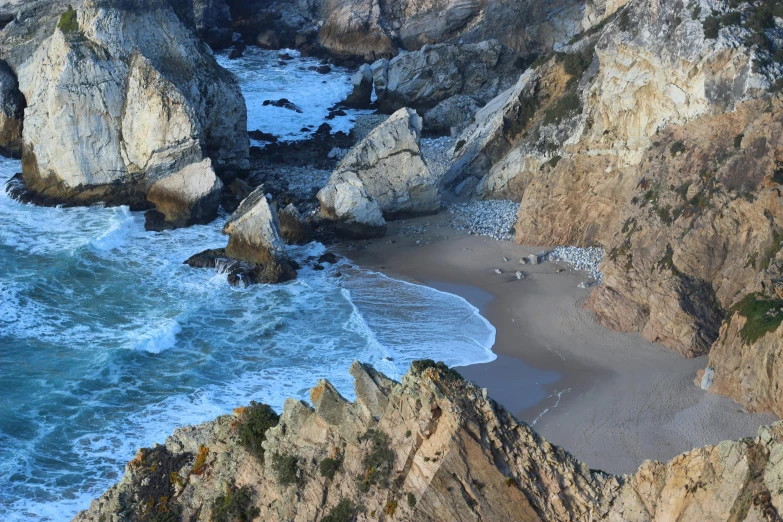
108,342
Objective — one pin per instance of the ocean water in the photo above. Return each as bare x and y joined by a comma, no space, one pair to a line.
108,342
263,76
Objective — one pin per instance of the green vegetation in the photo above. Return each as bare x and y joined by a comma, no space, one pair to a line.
515,121
763,316
328,467
554,161
696,12
731,18
738,140
575,64
407,434
256,420
776,86
418,367
772,250
344,511
235,506
201,459
750,262
624,21
711,26
568,105
391,507
677,146
664,213
411,500
379,461
68,22
459,145
286,467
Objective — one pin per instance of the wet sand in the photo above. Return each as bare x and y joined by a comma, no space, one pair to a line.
611,399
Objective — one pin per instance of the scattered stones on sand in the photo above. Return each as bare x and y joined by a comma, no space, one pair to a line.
492,218
520,275
533,259
283,103
586,259
498,271
437,154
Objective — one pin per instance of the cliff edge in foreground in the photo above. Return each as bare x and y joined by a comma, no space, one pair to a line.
430,448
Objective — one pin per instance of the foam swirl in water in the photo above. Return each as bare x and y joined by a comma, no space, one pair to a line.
108,342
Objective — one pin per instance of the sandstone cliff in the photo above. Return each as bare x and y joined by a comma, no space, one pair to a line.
120,95
430,448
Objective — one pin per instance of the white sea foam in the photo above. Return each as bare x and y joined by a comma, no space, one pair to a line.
113,342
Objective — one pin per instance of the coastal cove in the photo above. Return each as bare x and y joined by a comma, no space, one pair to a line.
612,399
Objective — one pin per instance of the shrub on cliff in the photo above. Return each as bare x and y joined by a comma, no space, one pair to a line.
235,506
345,511
378,462
256,420
418,367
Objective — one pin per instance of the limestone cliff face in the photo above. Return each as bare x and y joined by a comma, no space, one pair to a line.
373,29
430,448
658,141
119,95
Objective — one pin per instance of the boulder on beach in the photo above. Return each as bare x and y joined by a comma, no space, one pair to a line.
383,177
120,95
451,116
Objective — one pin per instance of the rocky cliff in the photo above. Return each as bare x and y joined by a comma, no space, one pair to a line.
120,96
655,134
430,448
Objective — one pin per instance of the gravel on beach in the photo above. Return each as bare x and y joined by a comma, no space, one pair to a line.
493,218
587,259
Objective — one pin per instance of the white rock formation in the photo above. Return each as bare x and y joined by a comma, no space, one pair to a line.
383,176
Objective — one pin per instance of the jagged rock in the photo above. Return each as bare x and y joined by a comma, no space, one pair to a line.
355,28
439,441
361,95
188,197
12,106
254,233
424,78
294,229
113,106
383,176
268,40
451,116
212,19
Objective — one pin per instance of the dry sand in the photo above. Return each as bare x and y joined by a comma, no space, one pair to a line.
611,399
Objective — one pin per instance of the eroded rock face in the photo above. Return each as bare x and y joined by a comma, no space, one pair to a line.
12,105
113,106
432,448
424,78
190,196
383,177
294,228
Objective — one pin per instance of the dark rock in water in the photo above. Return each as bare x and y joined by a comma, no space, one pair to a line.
318,267
283,103
293,227
234,54
282,63
155,221
285,56
328,257
268,40
263,136
239,273
321,69
304,129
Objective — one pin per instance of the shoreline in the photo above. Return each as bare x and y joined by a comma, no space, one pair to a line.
611,399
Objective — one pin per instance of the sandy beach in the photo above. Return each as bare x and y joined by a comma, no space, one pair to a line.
611,399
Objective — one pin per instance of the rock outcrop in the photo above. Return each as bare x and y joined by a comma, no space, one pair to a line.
12,106
294,228
256,252
361,95
424,78
430,448
383,177
119,96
